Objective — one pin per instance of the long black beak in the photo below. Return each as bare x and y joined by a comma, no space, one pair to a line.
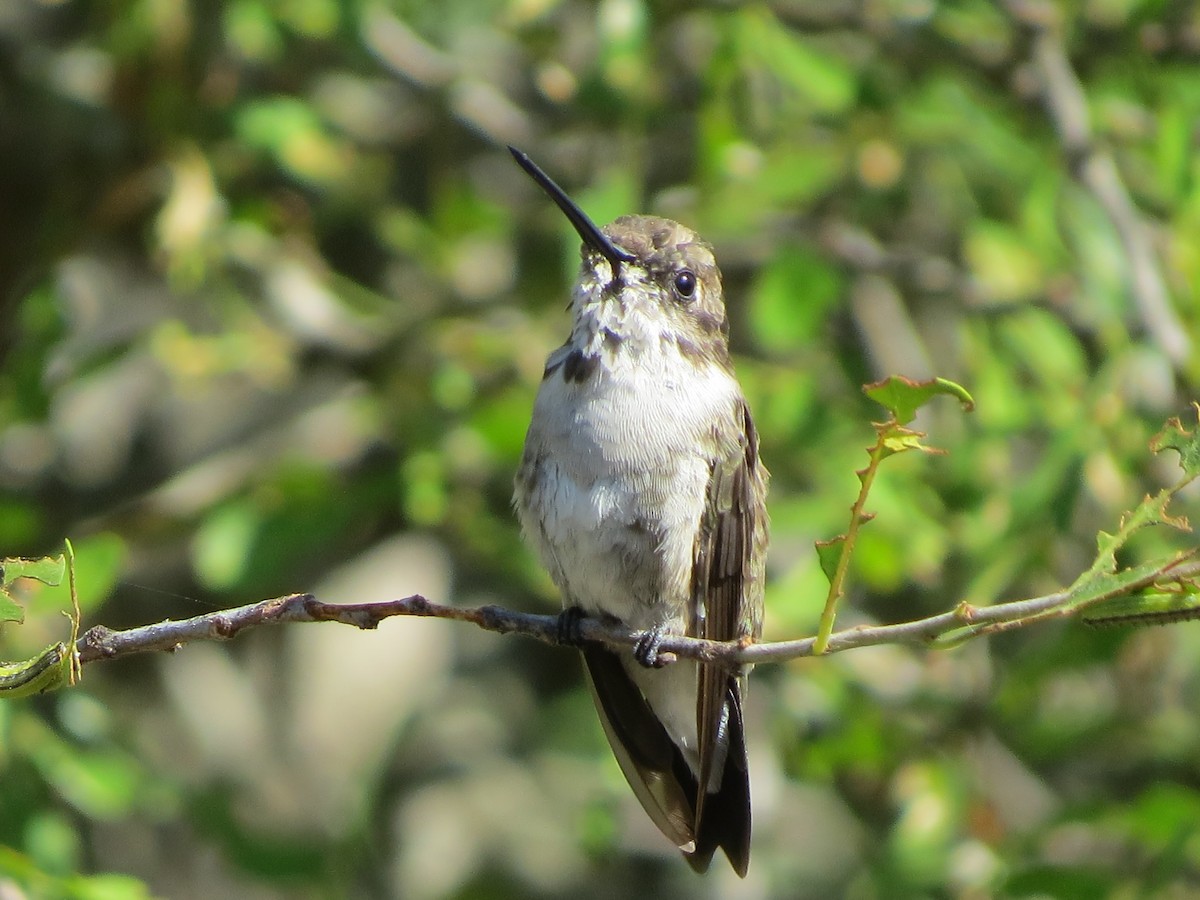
592,236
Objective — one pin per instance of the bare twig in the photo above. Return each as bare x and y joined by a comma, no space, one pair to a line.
965,621
1096,170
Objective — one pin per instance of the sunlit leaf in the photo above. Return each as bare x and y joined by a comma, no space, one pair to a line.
903,397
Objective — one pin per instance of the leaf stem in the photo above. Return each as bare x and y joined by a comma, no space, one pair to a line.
866,478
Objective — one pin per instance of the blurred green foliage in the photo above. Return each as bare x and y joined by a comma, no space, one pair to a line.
274,304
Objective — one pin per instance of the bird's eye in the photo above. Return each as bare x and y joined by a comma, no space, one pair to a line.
685,283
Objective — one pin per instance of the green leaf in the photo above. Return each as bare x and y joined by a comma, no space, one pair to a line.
26,873
47,671
52,841
48,570
1104,578
1061,882
292,133
903,397
894,439
109,886
251,30
1186,443
272,123
101,558
822,79
1092,586
1151,511
10,609
223,546
1148,608
1162,818
830,554
1002,261
792,298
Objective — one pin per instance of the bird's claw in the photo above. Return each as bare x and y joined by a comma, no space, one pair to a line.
569,632
646,650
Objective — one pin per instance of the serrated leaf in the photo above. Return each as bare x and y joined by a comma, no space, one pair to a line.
1093,585
1103,578
903,396
1186,443
1151,511
48,570
896,439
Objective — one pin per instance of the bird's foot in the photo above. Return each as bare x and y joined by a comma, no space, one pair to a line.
646,650
569,632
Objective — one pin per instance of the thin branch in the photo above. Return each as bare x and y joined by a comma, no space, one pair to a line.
100,643
1097,171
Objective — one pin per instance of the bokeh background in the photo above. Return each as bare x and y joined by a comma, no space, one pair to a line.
274,302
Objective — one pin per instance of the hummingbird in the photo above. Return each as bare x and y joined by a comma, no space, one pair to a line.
641,490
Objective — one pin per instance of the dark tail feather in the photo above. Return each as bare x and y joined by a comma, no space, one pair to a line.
660,776
647,755
725,821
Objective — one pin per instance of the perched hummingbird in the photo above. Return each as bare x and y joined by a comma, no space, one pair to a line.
641,489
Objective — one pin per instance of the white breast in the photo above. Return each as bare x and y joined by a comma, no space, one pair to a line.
614,478
620,470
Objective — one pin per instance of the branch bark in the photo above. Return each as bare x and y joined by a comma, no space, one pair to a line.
965,622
